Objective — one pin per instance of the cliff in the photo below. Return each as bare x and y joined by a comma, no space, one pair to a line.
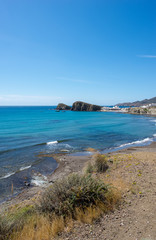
139,110
82,106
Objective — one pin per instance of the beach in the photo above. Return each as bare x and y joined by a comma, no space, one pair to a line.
132,172
68,163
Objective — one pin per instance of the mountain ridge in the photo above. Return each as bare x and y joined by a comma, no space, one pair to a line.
138,103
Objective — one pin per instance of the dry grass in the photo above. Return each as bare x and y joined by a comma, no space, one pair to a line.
101,164
74,191
47,225
40,227
98,163
118,179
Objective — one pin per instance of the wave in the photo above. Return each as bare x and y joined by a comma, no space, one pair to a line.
23,168
12,173
154,135
7,175
53,142
34,145
153,120
145,140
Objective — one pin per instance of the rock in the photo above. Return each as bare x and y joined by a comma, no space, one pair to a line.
142,110
27,184
62,106
82,106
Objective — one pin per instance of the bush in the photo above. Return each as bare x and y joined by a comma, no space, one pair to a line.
90,168
73,192
101,164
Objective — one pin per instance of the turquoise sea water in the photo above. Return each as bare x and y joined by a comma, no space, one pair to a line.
27,131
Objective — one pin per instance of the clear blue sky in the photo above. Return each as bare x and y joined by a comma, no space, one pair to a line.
98,51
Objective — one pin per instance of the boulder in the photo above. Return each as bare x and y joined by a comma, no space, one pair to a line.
82,106
62,106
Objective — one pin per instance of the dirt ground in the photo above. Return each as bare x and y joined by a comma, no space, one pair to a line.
133,172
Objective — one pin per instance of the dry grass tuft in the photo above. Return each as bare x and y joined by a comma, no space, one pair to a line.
40,227
89,215
98,164
101,164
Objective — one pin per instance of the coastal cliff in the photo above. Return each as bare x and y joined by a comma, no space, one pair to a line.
140,110
82,106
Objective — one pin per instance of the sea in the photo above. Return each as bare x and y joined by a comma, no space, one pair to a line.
29,133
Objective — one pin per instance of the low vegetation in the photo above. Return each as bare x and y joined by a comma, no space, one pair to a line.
81,198
75,191
99,164
14,221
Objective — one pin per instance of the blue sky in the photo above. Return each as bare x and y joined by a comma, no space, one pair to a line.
98,51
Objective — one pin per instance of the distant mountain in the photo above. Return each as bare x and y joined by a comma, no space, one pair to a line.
138,103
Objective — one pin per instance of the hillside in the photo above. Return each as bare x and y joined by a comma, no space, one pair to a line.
138,103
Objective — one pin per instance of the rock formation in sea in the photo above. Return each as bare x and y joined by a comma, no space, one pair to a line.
82,106
62,106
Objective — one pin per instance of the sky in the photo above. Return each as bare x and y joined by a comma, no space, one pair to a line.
97,51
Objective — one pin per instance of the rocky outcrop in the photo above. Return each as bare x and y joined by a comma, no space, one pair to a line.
82,106
140,110
62,106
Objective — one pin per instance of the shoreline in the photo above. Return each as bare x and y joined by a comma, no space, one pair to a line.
132,110
67,164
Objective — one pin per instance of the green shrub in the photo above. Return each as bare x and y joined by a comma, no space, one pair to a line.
90,168
74,191
101,164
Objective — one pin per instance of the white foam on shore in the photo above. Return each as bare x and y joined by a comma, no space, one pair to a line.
136,142
39,180
8,175
53,142
23,168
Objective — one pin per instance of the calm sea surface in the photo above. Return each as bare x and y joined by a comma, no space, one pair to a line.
25,132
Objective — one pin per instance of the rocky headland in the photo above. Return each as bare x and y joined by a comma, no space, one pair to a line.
141,110
132,110
79,106
82,106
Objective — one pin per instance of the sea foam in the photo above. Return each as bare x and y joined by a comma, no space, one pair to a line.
39,180
8,175
53,142
137,142
23,168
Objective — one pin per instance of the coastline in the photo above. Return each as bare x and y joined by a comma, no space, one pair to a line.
133,110
67,163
